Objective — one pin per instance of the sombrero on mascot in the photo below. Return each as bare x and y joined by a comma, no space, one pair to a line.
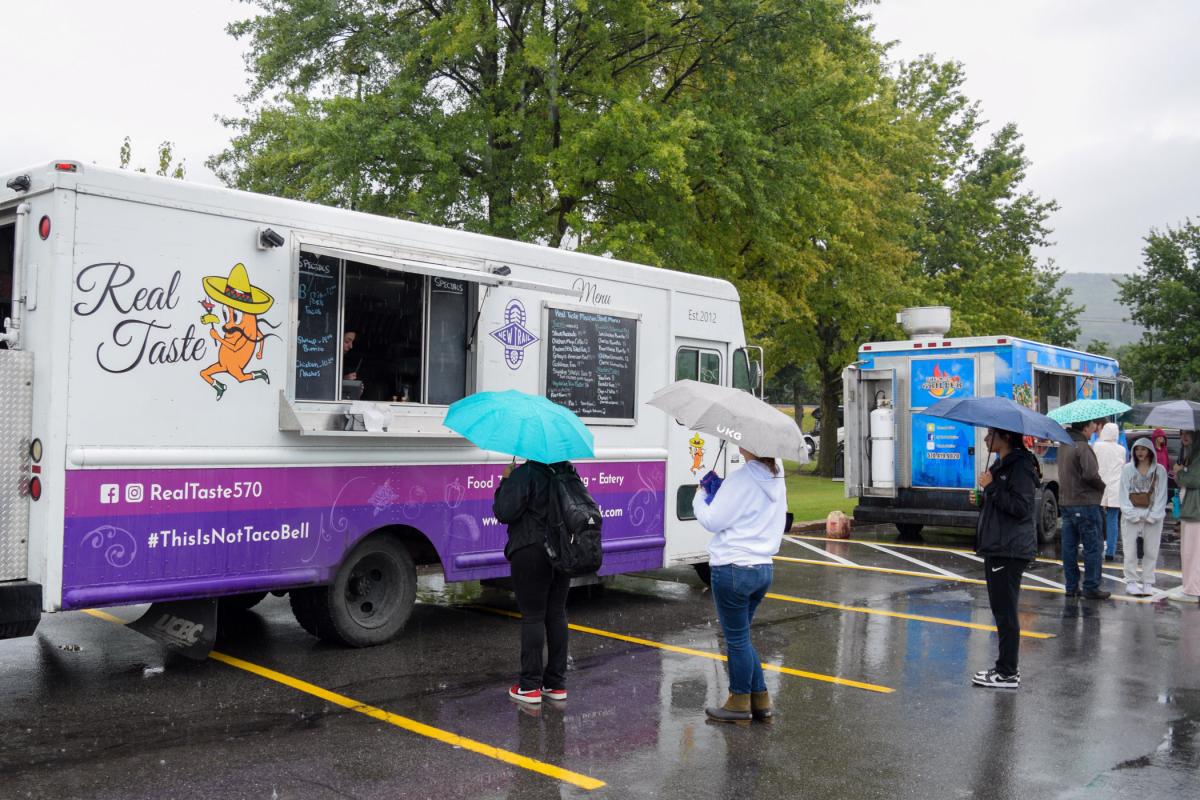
237,292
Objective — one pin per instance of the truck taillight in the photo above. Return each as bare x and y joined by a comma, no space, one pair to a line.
35,487
44,228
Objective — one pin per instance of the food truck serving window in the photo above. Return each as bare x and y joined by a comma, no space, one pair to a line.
367,332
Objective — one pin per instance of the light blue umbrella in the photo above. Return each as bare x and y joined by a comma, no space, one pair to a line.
1087,410
522,425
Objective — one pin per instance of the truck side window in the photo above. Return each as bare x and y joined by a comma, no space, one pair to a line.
741,371
697,365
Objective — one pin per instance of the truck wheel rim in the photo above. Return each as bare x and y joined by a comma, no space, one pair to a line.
373,590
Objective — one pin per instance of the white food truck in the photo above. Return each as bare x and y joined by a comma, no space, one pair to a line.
207,393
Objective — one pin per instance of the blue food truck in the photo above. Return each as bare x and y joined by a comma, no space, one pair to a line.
914,470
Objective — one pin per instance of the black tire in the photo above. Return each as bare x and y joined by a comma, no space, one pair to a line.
1047,518
369,601
909,530
239,603
17,630
704,572
839,463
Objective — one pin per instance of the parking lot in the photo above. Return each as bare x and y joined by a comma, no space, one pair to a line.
870,646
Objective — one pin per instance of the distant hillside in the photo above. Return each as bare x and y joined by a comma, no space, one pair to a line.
1104,318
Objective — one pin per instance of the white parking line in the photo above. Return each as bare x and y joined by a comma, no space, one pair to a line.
910,559
1028,575
821,551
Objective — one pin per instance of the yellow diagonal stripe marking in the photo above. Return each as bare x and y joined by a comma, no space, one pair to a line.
900,615
687,651
411,725
933,576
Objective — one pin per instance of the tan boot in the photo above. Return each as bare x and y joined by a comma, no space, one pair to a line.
760,706
736,709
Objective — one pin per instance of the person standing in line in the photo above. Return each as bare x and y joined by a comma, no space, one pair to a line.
1079,491
1143,497
522,503
1006,538
746,516
1110,458
1162,453
1187,475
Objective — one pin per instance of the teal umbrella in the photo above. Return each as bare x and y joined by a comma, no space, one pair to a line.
522,425
1087,410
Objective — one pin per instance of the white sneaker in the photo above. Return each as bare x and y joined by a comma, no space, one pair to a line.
1133,589
1147,589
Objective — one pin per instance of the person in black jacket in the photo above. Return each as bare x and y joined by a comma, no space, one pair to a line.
522,503
1006,537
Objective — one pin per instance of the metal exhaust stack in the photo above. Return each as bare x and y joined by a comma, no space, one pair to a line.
925,322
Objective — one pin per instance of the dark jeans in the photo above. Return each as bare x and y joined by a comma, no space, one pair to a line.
1081,525
737,591
542,597
1003,585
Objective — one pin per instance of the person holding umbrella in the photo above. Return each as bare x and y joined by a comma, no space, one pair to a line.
746,516
1006,538
547,435
1187,475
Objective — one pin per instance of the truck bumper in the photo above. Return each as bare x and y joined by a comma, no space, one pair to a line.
936,517
20,608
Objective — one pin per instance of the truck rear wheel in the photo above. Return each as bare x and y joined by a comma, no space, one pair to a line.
16,630
1047,519
369,601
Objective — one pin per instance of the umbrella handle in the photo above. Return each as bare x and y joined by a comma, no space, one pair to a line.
720,450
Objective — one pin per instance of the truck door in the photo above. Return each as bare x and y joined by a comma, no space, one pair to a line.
871,464
693,454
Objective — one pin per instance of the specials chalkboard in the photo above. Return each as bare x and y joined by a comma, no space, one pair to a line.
317,334
591,363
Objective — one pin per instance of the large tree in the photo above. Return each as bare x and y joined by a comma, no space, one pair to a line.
1164,298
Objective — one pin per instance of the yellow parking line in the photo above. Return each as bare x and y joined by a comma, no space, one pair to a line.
900,615
1109,566
452,739
933,576
687,651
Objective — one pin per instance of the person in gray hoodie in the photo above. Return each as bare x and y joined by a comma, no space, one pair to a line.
1079,491
746,517
1143,496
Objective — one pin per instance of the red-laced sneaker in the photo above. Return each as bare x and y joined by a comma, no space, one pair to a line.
531,696
554,694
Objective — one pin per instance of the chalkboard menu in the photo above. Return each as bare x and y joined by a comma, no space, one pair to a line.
318,339
447,340
591,363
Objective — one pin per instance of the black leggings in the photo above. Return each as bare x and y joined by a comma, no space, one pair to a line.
542,598
1003,585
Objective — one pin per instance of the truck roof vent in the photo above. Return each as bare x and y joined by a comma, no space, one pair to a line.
925,322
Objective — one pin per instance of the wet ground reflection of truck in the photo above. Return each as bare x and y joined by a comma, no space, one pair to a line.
913,470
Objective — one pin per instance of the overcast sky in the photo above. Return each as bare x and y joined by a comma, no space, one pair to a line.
1106,93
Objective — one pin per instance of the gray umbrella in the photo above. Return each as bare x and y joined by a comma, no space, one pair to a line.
1181,414
734,415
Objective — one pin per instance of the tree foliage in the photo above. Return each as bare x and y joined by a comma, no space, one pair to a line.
1164,298
167,168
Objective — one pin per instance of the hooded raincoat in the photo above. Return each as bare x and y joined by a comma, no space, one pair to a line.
1161,453
1132,480
1110,457
746,516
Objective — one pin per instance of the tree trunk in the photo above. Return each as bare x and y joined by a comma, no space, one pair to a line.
797,407
831,390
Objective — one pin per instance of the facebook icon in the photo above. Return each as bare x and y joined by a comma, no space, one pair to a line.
110,492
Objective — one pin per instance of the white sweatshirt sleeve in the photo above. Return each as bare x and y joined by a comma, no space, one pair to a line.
726,505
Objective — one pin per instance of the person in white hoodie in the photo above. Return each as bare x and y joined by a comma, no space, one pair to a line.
1143,498
1110,456
746,516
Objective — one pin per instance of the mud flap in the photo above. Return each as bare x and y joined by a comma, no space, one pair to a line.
186,627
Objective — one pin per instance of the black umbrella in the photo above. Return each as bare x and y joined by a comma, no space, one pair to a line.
1181,414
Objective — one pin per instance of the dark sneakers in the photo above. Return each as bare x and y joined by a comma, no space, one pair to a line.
1096,594
991,679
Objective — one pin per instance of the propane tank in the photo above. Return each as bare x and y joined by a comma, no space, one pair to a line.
883,445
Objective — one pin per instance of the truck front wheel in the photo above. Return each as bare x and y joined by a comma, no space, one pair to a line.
1047,521
909,530
370,599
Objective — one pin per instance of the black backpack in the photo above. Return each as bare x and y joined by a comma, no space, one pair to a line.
573,532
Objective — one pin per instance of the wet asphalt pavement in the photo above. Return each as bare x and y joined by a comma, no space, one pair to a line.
1109,707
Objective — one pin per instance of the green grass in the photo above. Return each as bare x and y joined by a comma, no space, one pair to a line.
811,497
807,423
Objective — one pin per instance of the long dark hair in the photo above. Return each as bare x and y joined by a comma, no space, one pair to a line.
1016,441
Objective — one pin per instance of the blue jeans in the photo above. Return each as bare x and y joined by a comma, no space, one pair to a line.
737,591
1112,529
1081,524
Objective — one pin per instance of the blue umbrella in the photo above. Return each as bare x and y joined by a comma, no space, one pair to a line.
522,425
999,412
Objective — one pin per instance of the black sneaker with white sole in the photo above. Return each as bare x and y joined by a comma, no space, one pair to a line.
991,679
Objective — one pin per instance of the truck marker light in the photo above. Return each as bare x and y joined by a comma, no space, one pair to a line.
1002,341
35,488
36,469
66,166
945,344
35,450
44,228
918,345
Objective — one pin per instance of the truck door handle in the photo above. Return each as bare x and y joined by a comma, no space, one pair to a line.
970,451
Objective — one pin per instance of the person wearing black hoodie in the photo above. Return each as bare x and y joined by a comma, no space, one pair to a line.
1006,537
